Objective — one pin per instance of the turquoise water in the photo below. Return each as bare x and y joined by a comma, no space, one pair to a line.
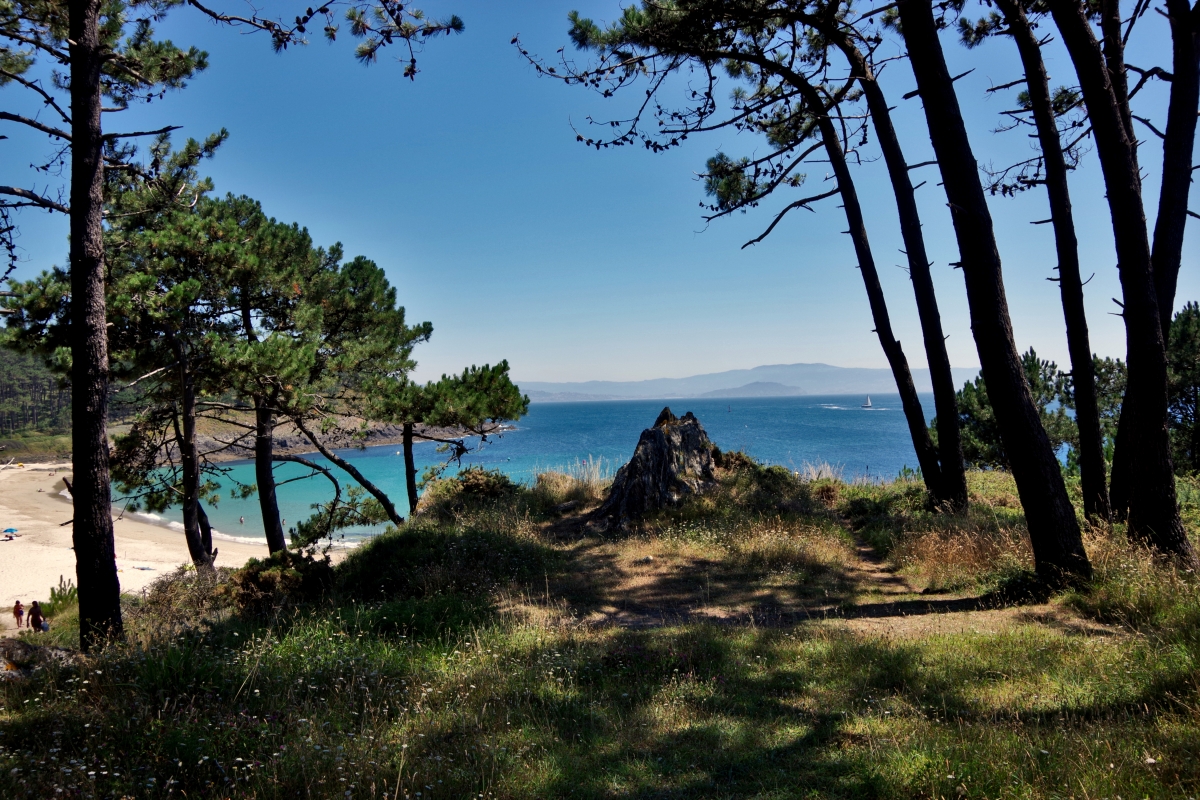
789,431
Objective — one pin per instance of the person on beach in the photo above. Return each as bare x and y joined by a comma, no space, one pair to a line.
19,613
35,616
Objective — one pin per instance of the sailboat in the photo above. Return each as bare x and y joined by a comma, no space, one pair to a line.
868,403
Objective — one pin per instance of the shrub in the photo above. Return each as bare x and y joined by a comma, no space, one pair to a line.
473,486
485,483
425,559
286,578
62,597
734,460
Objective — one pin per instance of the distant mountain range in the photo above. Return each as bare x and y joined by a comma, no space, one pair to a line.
775,380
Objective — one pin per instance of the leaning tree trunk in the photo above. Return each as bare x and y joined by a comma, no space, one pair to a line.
927,456
189,461
410,468
1114,63
1179,137
1053,529
389,507
1092,466
1153,510
264,473
92,529
953,491
264,450
206,534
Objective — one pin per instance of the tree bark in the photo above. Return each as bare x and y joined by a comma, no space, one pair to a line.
388,507
410,468
1092,466
264,473
927,455
1153,510
206,538
1179,137
953,489
190,463
1119,483
1053,529
264,450
92,530
1114,63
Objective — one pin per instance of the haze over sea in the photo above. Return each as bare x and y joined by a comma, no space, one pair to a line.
788,431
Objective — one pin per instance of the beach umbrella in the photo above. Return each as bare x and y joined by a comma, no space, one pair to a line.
10,530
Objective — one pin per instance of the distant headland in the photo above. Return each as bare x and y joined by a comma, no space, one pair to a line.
773,380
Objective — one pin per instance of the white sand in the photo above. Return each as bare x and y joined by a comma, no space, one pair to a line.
31,563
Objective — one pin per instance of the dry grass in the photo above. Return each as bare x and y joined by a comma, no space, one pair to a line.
769,545
958,557
811,472
583,483
942,552
1135,588
452,663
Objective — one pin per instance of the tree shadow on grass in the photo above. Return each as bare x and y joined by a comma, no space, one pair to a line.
692,712
689,713
638,585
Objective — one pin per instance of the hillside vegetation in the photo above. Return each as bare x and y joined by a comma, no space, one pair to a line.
785,636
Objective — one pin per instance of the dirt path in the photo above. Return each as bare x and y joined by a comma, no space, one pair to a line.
647,584
888,605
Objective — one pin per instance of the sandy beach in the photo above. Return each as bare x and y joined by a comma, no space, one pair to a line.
31,501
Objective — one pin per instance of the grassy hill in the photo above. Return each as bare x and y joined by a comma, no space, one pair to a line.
788,636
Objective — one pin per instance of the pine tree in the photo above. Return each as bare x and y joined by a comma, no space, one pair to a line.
110,54
474,403
786,93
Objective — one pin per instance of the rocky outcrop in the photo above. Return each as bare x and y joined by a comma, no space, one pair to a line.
673,459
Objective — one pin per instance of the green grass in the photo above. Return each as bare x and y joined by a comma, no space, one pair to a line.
34,446
414,677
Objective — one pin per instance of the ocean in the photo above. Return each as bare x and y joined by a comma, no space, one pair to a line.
789,431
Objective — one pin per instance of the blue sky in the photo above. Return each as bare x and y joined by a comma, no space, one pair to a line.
468,187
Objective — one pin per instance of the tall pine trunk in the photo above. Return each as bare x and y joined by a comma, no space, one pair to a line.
206,535
1092,466
189,461
1179,137
1120,483
264,473
953,489
92,529
927,456
1053,529
410,468
1165,257
264,450
1153,509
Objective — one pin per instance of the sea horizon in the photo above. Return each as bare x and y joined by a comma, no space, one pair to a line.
830,431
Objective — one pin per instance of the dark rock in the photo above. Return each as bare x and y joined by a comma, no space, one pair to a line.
19,659
673,459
